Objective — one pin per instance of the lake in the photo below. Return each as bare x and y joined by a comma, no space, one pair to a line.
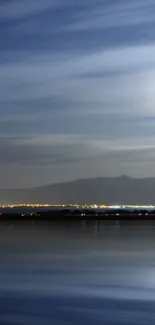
77,273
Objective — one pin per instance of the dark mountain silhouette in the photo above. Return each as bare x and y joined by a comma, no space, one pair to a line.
108,190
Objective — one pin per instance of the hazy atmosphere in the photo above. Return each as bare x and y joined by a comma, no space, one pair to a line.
77,93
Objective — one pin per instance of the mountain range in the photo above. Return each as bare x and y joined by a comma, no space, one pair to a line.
101,190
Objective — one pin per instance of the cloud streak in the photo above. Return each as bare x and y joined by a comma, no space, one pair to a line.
76,79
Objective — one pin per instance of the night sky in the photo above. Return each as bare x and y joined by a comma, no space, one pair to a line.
77,90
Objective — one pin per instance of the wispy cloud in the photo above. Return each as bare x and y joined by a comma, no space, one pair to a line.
113,14
16,9
76,78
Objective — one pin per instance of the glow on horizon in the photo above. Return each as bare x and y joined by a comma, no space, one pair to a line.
92,206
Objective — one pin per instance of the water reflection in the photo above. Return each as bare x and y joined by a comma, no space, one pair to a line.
82,273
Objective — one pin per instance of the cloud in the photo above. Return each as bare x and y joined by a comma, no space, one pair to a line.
16,9
42,150
76,89
75,26
112,77
115,14
59,149
55,158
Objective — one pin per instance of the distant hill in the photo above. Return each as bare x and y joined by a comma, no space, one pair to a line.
119,190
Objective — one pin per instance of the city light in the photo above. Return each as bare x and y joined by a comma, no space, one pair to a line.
77,206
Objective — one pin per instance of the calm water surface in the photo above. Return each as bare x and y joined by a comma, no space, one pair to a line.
84,273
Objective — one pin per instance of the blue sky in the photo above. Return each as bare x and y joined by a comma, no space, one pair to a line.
77,90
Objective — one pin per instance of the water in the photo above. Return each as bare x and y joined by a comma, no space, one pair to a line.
84,273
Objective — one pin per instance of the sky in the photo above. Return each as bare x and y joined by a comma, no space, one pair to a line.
77,90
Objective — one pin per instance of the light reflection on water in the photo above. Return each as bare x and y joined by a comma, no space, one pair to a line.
88,273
